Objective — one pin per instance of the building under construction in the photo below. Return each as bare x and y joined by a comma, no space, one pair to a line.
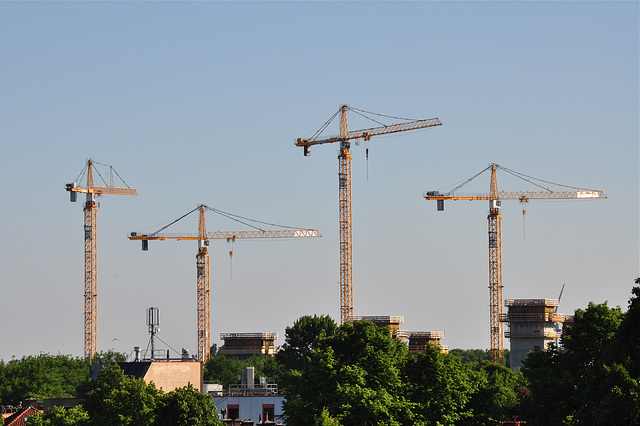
245,345
532,325
418,340
392,322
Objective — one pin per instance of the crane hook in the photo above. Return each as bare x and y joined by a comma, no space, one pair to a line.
367,153
524,219
230,242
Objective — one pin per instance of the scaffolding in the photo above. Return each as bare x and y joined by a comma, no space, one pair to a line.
244,345
420,340
532,325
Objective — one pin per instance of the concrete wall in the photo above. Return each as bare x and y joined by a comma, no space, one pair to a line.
170,375
520,347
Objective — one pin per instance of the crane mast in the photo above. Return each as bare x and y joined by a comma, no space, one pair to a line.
344,203
495,272
90,250
90,277
202,290
495,239
203,293
344,192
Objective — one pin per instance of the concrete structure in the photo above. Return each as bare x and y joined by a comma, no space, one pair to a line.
391,321
532,325
245,345
419,340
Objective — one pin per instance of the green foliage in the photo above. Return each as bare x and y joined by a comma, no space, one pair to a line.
108,357
186,407
58,416
628,344
300,340
497,396
226,370
590,339
325,419
116,399
468,356
439,386
41,376
355,374
223,370
595,382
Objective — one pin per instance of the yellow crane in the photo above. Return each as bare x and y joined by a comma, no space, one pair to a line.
90,245
495,235
344,185
202,260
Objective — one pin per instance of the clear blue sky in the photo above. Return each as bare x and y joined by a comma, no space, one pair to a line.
201,103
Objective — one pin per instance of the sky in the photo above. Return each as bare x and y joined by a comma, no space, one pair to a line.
201,102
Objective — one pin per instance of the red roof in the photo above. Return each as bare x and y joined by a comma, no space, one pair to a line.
20,418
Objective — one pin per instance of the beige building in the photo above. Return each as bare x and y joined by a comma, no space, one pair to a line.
166,375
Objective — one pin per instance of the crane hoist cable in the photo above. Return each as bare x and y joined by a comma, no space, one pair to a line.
494,219
202,258
344,184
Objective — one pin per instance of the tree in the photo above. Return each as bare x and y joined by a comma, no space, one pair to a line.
41,376
223,370
116,399
471,355
591,338
186,406
226,370
58,416
355,374
300,340
439,387
108,357
325,419
628,343
497,395
478,355
590,383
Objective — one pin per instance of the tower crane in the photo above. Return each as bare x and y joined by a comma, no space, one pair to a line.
90,247
495,235
344,187
202,260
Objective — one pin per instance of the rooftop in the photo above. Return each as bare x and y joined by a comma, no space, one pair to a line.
531,302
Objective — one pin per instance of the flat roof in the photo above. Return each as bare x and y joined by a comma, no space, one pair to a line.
531,302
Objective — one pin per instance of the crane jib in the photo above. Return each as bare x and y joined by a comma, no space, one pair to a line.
374,131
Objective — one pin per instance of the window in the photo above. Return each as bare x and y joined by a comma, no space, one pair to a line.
233,412
267,412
